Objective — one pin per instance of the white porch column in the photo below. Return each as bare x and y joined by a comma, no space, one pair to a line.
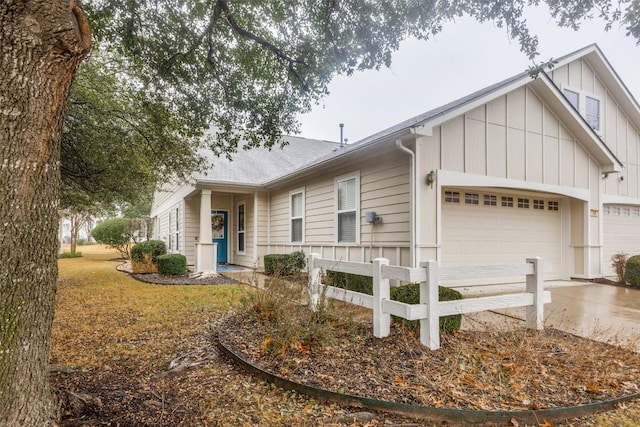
205,248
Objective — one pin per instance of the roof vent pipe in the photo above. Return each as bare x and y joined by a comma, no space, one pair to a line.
341,139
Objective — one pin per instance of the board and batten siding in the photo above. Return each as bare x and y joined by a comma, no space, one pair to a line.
384,189
618,131
515,136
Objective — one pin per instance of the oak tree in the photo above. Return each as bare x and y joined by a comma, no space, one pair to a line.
244,67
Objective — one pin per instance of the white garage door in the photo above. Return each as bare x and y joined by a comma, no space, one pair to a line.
492,228
621,233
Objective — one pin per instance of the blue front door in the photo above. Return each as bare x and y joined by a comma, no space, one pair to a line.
219,227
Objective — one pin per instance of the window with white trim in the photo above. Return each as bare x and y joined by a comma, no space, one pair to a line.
169,232
538,204
296,215
347,195
177,229
589,106
241,220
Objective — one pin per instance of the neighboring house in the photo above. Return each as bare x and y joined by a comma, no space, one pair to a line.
527,167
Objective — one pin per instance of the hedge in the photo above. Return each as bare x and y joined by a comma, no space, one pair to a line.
409,294
172,264
144,256
632,271
284,264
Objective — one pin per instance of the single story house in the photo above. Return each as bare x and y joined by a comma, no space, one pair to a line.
526,167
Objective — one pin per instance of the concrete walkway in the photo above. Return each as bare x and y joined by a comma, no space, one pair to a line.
600,312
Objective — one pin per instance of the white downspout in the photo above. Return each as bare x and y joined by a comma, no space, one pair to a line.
412,196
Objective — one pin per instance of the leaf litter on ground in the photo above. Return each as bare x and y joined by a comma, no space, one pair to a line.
126,353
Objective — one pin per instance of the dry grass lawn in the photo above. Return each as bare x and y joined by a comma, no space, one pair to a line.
137,354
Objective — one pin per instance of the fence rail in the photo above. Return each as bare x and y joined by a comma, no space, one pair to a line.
430,309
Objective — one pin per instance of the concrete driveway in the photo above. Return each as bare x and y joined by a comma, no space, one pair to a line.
600,312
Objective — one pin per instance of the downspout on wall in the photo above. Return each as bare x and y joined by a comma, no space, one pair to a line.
412,196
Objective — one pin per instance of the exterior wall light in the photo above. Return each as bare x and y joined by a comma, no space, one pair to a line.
431,178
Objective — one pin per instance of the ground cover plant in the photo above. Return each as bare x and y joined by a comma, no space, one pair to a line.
135,354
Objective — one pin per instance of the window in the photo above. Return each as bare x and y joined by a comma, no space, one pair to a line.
296,212
626,212
588,106
573,98
241,227
177,230
471,198
452,197
552,205
592,113
170,235
490,200
507,202
538,204
347,200
615,211
523,203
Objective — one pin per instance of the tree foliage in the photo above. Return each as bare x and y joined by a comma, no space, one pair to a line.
121,233
249,67
119,141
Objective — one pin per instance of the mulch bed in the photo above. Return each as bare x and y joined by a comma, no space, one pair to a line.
160,279
187,279
500,370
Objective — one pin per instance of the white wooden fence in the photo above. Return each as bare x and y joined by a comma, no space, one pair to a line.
430,309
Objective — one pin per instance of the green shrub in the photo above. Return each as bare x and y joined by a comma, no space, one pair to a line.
298,260
155,248
172,264
284,264
410,294
352,282
111,232
632,271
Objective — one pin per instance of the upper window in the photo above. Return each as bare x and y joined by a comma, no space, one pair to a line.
588,106
592,112
296,212
573,97
241,227
347,191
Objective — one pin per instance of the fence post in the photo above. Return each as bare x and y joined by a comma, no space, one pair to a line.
381,320
430,327
314,281
535,286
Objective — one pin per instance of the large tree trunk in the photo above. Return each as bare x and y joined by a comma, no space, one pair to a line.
41,44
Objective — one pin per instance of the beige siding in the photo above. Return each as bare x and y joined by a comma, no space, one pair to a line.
618,132
515,136
384,188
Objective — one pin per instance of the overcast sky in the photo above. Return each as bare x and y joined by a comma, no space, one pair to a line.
464,57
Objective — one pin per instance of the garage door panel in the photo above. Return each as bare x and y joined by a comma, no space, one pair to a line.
621,234
484,235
